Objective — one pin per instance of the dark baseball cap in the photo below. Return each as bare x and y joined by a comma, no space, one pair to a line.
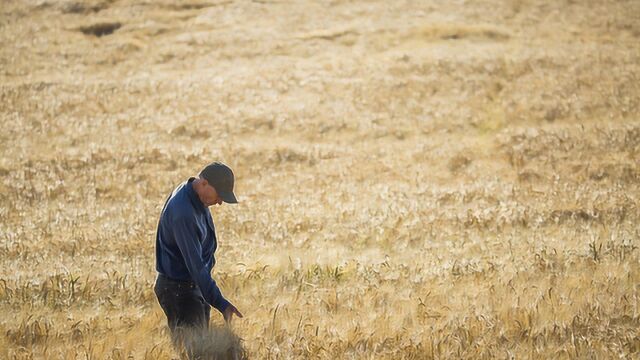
221,178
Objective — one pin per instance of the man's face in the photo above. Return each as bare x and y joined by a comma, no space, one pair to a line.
209,195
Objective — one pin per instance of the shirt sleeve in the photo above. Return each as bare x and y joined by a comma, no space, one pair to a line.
187,240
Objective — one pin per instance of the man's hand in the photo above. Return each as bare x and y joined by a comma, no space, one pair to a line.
229,312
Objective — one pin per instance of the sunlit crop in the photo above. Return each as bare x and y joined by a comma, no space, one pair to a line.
417,179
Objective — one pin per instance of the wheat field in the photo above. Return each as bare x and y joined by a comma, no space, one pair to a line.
417,179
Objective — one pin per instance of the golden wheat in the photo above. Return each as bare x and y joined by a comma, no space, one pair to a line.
416,179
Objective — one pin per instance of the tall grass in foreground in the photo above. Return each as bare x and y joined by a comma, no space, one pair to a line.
215,343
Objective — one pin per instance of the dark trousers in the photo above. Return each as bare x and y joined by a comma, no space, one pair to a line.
182,303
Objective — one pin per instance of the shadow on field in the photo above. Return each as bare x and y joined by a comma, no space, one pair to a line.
215,343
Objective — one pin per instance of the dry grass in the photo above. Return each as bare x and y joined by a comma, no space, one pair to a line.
417,179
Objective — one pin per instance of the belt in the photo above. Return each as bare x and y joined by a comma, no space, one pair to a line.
181,284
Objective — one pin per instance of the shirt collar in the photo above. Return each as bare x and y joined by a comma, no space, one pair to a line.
193,196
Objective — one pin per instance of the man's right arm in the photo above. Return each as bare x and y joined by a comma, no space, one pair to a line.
186,237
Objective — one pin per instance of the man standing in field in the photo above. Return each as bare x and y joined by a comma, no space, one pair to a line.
185,246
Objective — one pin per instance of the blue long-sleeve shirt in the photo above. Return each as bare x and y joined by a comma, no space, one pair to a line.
186,243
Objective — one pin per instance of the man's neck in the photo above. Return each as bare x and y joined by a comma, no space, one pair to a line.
195,185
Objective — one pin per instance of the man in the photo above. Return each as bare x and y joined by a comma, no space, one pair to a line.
185,246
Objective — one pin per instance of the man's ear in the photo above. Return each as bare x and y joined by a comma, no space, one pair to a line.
204,182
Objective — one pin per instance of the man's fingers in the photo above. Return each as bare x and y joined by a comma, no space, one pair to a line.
238,313
235,310
230,311
228,317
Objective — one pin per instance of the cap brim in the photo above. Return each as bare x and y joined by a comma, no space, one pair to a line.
228,196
